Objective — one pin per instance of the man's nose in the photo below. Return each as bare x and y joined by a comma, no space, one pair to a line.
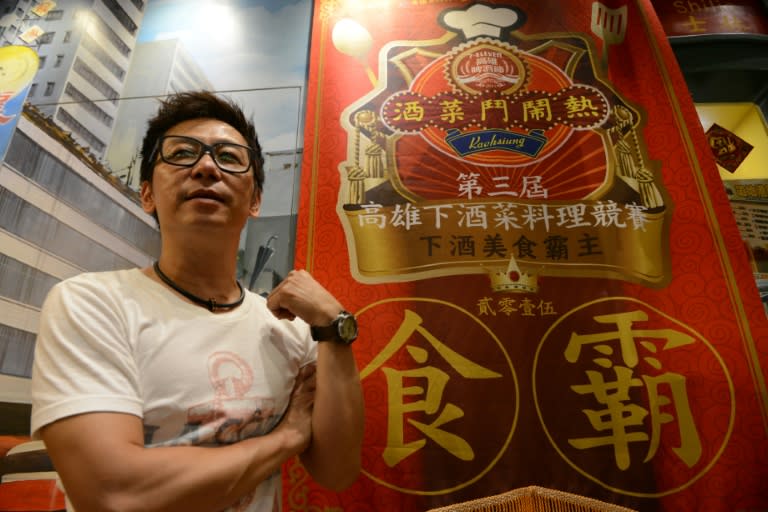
207,166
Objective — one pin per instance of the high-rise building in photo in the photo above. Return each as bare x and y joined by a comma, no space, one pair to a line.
61,213
85,48
158,68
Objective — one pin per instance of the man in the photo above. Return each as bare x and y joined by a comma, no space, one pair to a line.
170,387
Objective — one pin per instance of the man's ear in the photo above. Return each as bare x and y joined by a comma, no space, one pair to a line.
147,198
255,204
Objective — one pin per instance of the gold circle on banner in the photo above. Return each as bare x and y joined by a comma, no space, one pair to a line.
487,65
390,319
619,313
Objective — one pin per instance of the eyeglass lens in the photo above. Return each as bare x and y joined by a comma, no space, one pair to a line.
186,152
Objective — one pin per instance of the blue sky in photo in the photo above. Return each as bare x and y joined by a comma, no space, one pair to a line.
256,47
236,41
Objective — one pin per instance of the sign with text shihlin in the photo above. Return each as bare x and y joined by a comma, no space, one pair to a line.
518,202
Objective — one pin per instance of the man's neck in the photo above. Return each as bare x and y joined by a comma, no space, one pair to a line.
206,269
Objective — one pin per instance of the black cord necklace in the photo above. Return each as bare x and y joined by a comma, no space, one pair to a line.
211,304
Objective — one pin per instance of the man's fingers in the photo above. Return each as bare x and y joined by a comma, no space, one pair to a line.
283,314
300,295
308,370
305,380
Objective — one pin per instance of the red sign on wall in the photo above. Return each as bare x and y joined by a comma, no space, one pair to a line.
517,201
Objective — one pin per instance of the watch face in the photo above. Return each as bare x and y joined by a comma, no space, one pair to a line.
348,328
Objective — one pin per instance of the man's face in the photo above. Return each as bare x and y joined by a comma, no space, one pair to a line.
202,195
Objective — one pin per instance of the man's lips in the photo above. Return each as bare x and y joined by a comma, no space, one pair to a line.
205,194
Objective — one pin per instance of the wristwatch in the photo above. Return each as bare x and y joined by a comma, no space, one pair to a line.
342,330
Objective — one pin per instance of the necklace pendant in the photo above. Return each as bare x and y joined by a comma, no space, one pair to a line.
210,304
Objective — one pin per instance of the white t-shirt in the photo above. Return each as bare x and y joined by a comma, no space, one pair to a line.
121,342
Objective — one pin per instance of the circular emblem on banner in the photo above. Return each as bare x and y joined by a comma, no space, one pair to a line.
617,389
486,67
431,390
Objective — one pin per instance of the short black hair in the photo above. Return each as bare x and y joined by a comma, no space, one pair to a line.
185,106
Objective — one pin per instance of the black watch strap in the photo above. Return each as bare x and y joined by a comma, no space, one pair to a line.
342,330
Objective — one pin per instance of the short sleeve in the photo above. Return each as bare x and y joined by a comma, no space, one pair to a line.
310,356
83,355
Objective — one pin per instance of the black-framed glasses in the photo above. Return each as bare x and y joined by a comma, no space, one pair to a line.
187,151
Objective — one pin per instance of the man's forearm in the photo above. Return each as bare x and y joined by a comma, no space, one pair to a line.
333,457
127,477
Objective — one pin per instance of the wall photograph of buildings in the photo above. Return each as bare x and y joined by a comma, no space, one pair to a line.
69,175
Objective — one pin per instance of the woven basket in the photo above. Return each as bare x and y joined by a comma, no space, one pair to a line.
533,499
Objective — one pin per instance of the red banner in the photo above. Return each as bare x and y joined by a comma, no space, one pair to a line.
519,203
